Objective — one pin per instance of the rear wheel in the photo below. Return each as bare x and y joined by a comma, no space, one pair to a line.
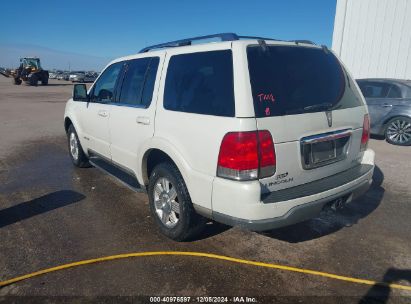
398,131
77,155
171,205
45,80
17,81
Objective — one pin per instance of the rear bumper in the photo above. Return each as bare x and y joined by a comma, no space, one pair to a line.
293,205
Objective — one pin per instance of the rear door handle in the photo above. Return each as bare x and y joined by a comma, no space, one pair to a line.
143,120
386,105
103,113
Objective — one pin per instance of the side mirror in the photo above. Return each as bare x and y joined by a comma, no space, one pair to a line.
80,92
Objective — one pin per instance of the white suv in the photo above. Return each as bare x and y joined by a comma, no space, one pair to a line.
249,131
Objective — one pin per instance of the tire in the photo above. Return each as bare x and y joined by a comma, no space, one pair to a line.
33,80
175,217
398,131
45,80
77,155
17,81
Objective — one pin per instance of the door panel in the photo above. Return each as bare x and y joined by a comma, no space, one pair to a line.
132,116
378,109
97,112
95,129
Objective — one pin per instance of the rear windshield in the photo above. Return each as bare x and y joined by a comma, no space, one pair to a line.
293,80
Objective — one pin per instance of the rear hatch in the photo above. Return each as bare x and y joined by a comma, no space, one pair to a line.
311,107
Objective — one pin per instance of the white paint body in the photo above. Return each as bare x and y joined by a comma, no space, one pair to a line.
193,141
373,37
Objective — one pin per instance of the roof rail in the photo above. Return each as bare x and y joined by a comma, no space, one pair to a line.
303,41
222,36
257,38
188,41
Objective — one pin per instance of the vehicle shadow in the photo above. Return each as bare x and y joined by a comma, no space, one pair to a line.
211,229
38,206
380,293
377,137
328,223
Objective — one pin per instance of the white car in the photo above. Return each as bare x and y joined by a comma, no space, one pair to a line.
248,131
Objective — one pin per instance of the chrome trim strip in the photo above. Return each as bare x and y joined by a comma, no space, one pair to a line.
326,136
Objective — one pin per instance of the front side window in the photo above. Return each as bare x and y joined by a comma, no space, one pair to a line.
103,90
201,83
138,83
289,80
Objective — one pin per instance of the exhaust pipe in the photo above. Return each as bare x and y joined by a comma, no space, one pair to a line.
336,204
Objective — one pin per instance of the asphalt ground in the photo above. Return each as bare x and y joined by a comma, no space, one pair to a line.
52,213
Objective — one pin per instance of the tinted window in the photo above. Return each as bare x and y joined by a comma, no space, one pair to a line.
292,80
133,83
201,83
150,80
103,90
374,89
394,92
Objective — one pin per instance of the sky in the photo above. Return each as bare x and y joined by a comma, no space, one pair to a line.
88,34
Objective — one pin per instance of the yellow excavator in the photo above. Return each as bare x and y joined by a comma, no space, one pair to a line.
29,71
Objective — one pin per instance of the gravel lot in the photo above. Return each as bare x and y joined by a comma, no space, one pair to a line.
52,213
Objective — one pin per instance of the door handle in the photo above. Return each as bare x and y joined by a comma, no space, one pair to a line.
103,113
386,105
143,120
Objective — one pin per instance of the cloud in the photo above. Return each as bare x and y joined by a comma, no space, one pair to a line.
50,58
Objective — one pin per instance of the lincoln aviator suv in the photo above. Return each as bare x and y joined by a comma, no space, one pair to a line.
247,131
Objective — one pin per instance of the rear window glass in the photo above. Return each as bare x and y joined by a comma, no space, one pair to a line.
293,80
201,83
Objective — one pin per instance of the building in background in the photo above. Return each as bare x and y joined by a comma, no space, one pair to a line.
373,37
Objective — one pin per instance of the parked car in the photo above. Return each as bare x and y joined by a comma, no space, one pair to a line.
248,132
83,77
74,74
389,104
52,75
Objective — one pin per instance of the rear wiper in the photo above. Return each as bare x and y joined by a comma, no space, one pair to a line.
321,106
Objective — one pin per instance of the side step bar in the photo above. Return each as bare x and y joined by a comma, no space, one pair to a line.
126,178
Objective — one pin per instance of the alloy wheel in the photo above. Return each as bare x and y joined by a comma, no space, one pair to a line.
166,202
399,132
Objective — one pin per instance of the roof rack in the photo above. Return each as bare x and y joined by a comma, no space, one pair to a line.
188,41
303,41
222,36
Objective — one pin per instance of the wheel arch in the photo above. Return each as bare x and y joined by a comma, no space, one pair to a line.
153,157
393,116
67,123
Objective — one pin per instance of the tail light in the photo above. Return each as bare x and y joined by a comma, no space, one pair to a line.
365,133
246,155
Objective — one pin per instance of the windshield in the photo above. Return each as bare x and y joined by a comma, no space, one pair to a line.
293,80
33,62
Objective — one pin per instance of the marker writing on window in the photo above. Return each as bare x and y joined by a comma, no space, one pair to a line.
266,97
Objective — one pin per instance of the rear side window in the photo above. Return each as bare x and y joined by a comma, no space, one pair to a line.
201,83
294,80
395,92
374,89
138,83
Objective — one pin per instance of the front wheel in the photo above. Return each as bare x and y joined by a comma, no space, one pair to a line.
398,131
33,79
171,205
77,155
